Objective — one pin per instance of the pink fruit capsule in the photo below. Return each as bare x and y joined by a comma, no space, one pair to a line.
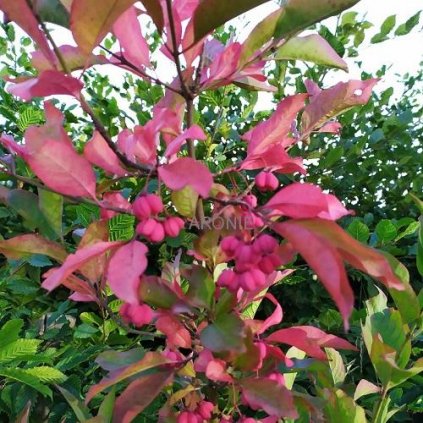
141,208
173,226
205,409
188,417
265,244
229,245
124,312
276,260
226,278
245,254
146,227
260,181
246,281
277,377
158,234
272,182
155,203
266,265
258,276
251,200
140,315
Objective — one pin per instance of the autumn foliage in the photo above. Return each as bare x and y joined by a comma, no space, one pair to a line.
196,306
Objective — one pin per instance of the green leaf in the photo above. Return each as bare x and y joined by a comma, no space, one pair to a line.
121,227
342,408
51,206
185,201
201,286
18,349
293,352
225,334
311,48
22,376
386,231
409,230
337,367
85,331
387,26
406,300
28,117
79,408
210,14
407,27
106,408
154,9
419,257
47,374
334,155
294,16
52,11
359,230
10,332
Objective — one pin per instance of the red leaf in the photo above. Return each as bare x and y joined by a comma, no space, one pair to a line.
125,268
309,339
268,395
194,132
274,158
151,360
327,104
100,154
186,171
139,394
177,335
74,261
62,169
26,245
128,32
49,82
72,56
19,12
304,201
324,245
274,319
90,21
276,128
216,371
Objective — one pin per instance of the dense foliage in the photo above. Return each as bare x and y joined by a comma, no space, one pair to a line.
191,276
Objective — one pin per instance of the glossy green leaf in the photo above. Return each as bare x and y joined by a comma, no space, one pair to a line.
185,201
359,230
201,286
51,206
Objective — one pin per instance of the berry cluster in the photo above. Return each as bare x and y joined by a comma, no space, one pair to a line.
138,315
253,262
146,208
266,181
202,413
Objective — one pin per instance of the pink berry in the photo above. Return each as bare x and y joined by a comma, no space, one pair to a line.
272,182
140,315
226,278
259,277
155,203
260,181
158,234
247,282
188,417
276,260
245,254
251,200
146,227
205,409
173,226
266,265
229,245
141,208
265,244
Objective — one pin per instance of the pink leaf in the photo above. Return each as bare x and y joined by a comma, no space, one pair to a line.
73,57
90,21
304,201
62,169
216,371
187,172
8,142
100,154
274,158
125,268
276,128
194,132
19,12
329,103
268,395
140,393
176,334
74,261
274,319
331,128
309,339
325,261
127,30
49,82
114,199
